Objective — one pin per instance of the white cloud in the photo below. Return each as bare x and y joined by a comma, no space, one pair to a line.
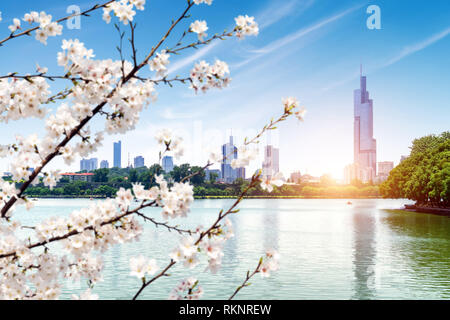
409,50
277,44
277,11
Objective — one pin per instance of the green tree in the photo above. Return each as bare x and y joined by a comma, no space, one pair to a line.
100,175
423,176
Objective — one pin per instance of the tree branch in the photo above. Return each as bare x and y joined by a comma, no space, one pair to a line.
247,278
84,121
28,31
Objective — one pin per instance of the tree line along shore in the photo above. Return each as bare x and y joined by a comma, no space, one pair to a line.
106,182
424,176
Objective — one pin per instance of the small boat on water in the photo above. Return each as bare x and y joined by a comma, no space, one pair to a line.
349,202
91,198
34,199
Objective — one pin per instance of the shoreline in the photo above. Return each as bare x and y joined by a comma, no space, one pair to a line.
31,197
432,210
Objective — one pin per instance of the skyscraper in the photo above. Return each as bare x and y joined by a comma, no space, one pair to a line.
139,162
229,152
104,164
384,168
365,148
167,164
88,164
271,164
118,154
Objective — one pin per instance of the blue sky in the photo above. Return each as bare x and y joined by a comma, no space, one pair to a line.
310,49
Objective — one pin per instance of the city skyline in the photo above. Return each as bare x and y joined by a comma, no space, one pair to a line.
303,49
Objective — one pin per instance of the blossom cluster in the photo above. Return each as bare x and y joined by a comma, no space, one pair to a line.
123,10
208,2
47,27
293,103
268,182
176,200
33,274
205,76
246,26
170,142
141,266
22,98
246,154
159,63
199,27
269,263
187,289
188,250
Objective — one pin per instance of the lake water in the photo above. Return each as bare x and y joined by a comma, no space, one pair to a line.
329,250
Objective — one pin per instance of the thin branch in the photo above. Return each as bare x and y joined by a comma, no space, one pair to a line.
28,31
165,224
247,278
76,232
159,275
194,45
133,47
43,75
210,231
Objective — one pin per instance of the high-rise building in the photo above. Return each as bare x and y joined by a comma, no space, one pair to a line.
117,154
139,162
365,149
240,172
215,172
271,164
104,164
167,164
296,177
229,152
355,172
384,168
88,164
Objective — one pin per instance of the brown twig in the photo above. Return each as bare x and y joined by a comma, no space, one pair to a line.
28,31
76,232
210,230
247,278
164,224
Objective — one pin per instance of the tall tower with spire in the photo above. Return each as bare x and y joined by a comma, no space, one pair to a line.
365,145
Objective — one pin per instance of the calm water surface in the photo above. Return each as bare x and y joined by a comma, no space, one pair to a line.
329,250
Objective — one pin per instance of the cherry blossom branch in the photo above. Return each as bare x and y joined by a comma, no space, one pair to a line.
85,120
196,172
145,284
209,231
28,31
194,45
246,283
164,80
231,210
133,46
60,95
43,75
164,224
76,232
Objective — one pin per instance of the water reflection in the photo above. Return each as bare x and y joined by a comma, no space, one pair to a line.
329,250
423,250
364,252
